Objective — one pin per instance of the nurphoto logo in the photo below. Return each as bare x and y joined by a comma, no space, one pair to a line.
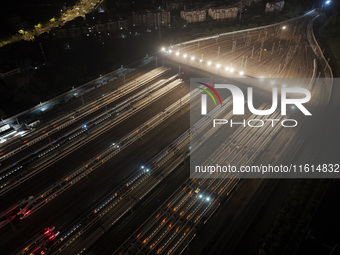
239,99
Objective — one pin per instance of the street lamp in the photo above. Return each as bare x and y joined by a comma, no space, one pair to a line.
325,3
283,28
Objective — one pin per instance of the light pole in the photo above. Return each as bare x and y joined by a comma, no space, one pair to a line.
326,3
282,29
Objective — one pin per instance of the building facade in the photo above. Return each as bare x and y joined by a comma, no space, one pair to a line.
194,16
150,19
223,13
274,6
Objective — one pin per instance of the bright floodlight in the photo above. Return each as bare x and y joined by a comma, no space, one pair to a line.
328,2
241,73
147,170
218,66
185,55
208,199
209,63
113,144
231,70
192,58
200,196
142,167
177,53
201,60
227,68
284,27
163,49
170,51
84,126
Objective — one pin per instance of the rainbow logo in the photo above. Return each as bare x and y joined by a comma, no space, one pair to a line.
209,93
